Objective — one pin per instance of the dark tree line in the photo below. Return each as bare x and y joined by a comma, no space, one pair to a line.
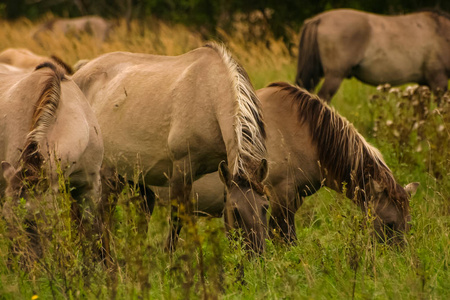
208,14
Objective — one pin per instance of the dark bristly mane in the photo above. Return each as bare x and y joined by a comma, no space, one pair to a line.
343,152
62,64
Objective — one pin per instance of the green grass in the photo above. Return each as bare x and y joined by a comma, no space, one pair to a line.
336,256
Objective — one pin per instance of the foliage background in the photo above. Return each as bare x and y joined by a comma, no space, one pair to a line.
207,15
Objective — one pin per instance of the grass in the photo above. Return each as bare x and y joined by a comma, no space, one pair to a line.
336,256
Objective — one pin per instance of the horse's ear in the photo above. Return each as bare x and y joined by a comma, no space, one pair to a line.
224,173
411,188
263,170
8,171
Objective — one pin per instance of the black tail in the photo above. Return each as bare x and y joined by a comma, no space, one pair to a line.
309,68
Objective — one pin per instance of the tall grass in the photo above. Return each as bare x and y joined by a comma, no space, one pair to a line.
336,256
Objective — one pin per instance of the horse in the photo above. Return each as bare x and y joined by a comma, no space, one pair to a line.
96,26
376,49
48,129
309,145
177,118
27,61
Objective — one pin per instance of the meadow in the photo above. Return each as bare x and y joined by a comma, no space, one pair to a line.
336,257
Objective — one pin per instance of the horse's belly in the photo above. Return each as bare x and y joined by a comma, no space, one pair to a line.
379,72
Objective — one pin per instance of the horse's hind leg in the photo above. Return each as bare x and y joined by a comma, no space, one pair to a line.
329,87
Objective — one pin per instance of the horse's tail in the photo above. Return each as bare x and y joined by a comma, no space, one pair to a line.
309,68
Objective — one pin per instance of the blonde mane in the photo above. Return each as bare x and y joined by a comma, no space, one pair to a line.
343,152
248,124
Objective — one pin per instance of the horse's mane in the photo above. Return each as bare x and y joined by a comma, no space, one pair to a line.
249,126
62,64
44,114
343,152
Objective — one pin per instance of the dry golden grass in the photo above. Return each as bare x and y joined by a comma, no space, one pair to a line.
154,37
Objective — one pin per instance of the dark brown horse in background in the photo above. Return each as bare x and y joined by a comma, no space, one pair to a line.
375,49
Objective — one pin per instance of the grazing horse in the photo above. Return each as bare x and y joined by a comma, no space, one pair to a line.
28,61
310,145
47,128
375,49
96,26
176,118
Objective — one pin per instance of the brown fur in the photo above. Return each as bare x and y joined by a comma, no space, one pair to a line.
343,152
375,49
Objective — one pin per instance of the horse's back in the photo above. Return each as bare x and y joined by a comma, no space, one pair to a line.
158,106
376,48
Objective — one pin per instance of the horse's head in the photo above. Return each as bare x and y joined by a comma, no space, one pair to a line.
391,210
246,205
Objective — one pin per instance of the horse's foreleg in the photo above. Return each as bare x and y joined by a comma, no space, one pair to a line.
282,219
330,86
180,189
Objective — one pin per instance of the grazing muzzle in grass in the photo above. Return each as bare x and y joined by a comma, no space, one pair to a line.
392,215
246,206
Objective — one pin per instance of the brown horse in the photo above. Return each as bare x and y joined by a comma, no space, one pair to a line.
310,145
375,49
177,118
27,61
46,116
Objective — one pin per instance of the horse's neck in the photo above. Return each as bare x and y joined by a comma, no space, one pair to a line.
350,186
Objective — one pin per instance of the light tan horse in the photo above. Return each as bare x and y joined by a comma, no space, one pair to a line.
47,128
175,119
376,49
26,60
309,144
96,26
